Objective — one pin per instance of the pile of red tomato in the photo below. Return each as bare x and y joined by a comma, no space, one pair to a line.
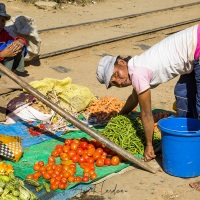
88,154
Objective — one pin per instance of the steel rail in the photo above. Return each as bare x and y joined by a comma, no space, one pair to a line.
114,39
94,134
121,17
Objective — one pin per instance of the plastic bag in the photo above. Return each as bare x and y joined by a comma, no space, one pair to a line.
70,96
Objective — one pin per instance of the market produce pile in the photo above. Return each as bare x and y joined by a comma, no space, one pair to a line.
101,110
128,133
12,188
59,170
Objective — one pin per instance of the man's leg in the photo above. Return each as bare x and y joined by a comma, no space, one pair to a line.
8,62
19,62
185,94
197,78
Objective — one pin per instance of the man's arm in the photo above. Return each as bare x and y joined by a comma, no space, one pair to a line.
147,122
130,104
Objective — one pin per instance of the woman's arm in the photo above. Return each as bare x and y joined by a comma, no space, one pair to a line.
147,122
130,104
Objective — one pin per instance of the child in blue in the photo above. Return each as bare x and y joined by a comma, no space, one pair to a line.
12,50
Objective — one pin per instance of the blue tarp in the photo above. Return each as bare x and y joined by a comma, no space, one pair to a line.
21,129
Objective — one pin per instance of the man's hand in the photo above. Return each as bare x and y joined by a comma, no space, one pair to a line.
17,45
148,153
12,50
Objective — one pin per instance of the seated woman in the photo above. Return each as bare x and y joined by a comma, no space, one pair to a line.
12,50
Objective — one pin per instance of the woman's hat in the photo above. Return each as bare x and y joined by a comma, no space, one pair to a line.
3,11
105,69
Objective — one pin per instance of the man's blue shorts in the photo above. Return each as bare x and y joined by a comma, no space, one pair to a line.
187,93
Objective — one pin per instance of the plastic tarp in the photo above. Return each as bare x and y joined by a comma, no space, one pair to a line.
43,150
21,129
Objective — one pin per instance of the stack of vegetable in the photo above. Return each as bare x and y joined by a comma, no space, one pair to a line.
101,110
127,133
12,188
61,168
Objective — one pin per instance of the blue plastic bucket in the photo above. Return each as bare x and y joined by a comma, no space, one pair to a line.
180,146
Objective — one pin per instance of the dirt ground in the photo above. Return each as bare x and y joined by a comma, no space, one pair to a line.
134,183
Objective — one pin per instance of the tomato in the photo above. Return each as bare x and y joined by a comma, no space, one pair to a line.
29,176
103,157
79,151
93,142
68,142
36,167
83,145
66,174
75,158
72,171
86,170
63,180
58,177
66,148
84,139
71,179
48,167
74,146
90,160
90,146
90,151
52,180
59,146
62,186
41,163
76,141
53,166
60,150
59,168
37,174
85,156
55,153
91,172
63,156
77,179
115,160
100,150
54,186
99,162
91,166
106,149
86,174
104,153
107,161
53,175
46,176
85,178
65,168
87,165
93,176
96,155
98,144
71,153
66,162
73,165
51,171
81,160
51,159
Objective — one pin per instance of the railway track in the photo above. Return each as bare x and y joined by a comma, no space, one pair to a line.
115,29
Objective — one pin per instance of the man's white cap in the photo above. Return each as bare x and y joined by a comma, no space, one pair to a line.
105,69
